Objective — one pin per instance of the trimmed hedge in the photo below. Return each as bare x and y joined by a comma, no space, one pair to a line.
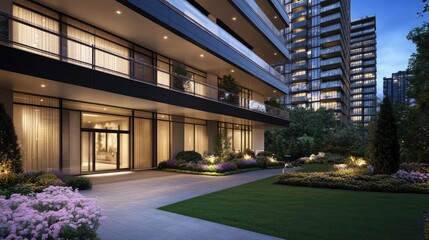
376,183
189,156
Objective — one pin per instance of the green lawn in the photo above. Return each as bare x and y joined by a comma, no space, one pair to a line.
310,213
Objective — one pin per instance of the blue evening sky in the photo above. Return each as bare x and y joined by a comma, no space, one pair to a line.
395,18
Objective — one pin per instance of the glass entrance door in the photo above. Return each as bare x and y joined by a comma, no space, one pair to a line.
104,151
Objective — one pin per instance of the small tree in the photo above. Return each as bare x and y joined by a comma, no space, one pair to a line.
232,89
181,77
384,147
222,145
10,152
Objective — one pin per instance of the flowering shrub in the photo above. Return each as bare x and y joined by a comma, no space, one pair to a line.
225,167
56,213
412,177
426,224
415,167
358,182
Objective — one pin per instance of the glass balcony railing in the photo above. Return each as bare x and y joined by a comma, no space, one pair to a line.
332,84
142,72
330,18
330,7
331,61
298,4
330,28
258,11
190,12
299,99
330,39
330,50
331,73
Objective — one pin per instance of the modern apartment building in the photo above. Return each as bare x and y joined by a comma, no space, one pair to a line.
318,73
363,70
396,87
124,84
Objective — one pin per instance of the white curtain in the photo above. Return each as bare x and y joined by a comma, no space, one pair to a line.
33,37
201,139
163,141
79,53
142,143
38,133
116,62
189,137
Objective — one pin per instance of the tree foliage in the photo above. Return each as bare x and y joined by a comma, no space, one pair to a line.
10,152
384,147
229,84
413,124
315,131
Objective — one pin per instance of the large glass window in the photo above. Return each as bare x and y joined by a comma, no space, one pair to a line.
40,41
142,143
163,140
38,130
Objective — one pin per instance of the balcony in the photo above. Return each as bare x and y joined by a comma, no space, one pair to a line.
297,66
302,3
333,73
330,52
299,78
331,85
330,9
92,57
330,19
302,88
298,14
300,44
299,35
202,21
260,13
331,63
299,55
332,97
330,41
300,24
330,30
299,99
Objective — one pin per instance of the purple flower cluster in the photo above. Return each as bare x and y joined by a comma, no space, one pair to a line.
413,177
171,163
224,167
47,215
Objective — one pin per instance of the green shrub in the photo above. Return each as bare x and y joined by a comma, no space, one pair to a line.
262,161
249,152
78,182
10,151
378,183
189,156
426,225
265,154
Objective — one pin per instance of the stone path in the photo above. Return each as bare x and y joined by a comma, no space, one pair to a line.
130,202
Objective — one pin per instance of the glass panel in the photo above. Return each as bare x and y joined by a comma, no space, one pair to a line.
77,52
106,149
38,131
35,100
103,121
163,141
143,70
142,143
201,140
189,137
87,151
237,140
112,62
41,41
124,144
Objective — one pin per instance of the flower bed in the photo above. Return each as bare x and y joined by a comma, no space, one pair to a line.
207,167
415,167
358,182
412,177
55,213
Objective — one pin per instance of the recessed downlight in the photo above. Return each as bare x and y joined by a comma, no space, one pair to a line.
43,85
165,37
118,12
234,18
232,70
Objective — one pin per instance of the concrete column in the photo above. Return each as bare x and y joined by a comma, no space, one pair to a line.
71,142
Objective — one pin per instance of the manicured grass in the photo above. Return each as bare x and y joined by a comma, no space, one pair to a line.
316,167
310,213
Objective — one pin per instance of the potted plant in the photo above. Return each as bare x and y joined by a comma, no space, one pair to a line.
231,90
181,78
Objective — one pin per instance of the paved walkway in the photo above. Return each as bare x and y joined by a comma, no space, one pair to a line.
131,203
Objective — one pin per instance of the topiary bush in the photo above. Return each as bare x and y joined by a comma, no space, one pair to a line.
10,152
189,156
262,161
249,152
78,182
